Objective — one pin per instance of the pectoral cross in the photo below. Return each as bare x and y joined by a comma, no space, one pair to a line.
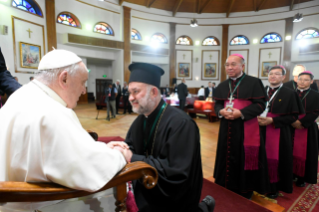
269,54
210,57
184,56
231,99
29,32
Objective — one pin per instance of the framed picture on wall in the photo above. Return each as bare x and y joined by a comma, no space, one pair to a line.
210,70
184,69
30,55
266,67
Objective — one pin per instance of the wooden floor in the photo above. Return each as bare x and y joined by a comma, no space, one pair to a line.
120,125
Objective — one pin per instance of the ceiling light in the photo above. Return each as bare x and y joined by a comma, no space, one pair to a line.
255,41
288,37
298,17
194,23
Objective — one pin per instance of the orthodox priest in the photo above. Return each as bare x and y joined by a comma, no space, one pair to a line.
167,139
292,84
305,150
282,109
241,163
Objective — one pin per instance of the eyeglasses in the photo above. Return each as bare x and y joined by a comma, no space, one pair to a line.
276,74
232,64
304,80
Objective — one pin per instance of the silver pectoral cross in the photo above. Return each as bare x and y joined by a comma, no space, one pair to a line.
231,99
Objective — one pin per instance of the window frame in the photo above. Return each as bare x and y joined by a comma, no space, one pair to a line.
308,28
190,41
137,33
271,42
218,42
239,44
101,23
35,6
76,19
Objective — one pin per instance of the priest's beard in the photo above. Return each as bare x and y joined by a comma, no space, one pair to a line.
145,105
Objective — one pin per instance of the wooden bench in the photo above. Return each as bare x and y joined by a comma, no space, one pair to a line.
203,107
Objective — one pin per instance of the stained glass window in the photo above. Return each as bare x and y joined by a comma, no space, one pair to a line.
184,40
308,33
271,38
159,38
210,41
28,6
135,35
103,28
239,40
68,19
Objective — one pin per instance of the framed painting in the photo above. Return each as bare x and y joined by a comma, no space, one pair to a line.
184,69
266,67
30,55
210,70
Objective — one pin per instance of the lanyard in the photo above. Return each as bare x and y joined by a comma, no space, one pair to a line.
293,83
305,95
232,92
146,142
272,95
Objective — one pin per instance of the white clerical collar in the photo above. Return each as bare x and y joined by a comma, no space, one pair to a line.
302,90
238,76
273,87
50,92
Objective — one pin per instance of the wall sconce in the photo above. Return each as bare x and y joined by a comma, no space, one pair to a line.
197,42
288,37
197,78
255,41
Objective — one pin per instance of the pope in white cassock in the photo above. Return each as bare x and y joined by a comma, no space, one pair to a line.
42,140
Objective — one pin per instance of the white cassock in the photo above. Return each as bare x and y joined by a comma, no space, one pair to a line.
41,140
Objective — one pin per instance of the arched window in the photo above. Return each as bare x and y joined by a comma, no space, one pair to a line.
308,33
239,40
158,38
69,19
135,35
103,28
210,41
184,40
271,38
30,6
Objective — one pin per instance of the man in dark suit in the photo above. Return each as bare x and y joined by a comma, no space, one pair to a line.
110,96
209,90
118,97
7,83
182,94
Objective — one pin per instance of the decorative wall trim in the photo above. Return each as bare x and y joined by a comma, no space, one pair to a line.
85,40
92,5
149,50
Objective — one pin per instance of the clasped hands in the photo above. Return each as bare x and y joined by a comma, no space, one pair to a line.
297,124
230,113
264,121
123,148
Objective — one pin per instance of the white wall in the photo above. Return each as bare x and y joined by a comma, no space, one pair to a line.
118,67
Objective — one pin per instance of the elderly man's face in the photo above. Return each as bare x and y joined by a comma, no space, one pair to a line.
76,86
141,98
233,66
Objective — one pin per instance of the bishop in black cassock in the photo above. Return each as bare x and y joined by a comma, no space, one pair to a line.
282,109
241,163
305,152
169,140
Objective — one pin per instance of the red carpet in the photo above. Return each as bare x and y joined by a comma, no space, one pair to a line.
304,199
227,201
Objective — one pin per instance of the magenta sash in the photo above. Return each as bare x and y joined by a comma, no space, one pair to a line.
300,150
251,137
272,149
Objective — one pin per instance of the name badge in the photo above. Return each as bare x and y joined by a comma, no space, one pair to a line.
229,105
264,114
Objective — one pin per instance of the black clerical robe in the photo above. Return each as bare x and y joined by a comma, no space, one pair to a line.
310,104
230,157
176,157
286,106
293,85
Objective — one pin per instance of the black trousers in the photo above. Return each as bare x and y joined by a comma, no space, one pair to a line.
182,103
117,103
127,104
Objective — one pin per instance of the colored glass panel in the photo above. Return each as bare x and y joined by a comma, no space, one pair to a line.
307,33
184,40
239,40
271,38
24,5
67,20
159,38
210,41
135,35
103,28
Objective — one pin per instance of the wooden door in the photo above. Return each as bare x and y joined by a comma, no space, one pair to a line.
100,86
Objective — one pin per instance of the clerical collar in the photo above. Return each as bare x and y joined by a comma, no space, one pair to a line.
275,86
303,90
49,92
153,115
238,76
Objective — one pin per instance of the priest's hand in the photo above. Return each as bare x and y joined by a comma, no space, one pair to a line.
264,121
236,114
226,114
297,124
121,144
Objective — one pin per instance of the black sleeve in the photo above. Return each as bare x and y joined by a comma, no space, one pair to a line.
314,86
284,120
309,119
219,104
253,110
7,83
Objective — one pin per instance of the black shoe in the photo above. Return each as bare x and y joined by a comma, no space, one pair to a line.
300,183
210,203
273,195
108,118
